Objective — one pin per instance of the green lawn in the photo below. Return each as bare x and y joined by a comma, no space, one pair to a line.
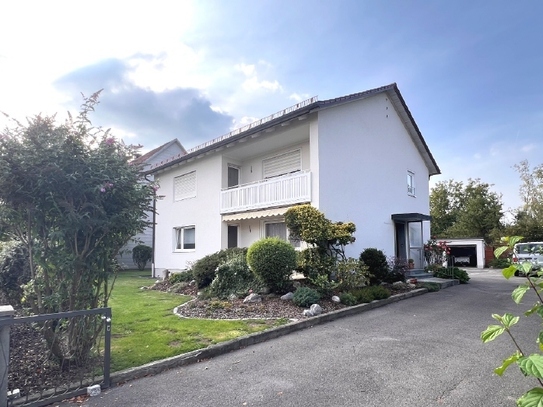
145,329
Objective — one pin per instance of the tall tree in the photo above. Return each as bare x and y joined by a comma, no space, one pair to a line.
70,194
470,210
529,218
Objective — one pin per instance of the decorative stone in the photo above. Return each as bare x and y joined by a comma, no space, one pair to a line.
336,299
232,297
287,296
307,313
252,298
398,284
315,309
94,390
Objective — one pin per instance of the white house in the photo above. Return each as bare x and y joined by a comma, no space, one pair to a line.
358,158
154,157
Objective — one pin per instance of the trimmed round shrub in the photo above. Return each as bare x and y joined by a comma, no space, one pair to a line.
305,297
205,269
235,277
377,264
273,260
141,255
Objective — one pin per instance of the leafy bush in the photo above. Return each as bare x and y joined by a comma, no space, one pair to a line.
305,297
323,285
235,277
452,273
14,272
347,299
273,260
314,262
370,293
351,273
141,254
377,264
500,263
204,270
398,269
183,277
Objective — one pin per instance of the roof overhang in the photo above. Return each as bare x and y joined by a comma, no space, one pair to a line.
267,213
410,217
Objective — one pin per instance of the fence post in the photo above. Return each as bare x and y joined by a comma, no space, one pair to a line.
6,312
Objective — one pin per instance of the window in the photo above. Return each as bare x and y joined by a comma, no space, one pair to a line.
185,186
410,183
282,164
278,229
233,176
185,238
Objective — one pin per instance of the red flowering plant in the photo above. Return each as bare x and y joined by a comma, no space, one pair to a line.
436,252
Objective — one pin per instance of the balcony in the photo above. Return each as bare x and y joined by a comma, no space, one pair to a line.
278,191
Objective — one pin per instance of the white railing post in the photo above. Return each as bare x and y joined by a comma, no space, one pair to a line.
6,313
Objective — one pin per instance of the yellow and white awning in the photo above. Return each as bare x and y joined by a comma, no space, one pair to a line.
265,213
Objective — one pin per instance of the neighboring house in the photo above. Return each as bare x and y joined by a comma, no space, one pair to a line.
152,158
358,158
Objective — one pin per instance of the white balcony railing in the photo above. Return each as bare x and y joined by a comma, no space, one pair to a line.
277,191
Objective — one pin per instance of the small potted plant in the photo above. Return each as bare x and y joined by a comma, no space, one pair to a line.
411,263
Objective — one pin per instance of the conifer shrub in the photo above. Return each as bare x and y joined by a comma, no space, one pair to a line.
377,264
273,260
370,293
347,299
305,297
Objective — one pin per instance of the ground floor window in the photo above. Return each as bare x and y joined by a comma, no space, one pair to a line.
185,238
278,229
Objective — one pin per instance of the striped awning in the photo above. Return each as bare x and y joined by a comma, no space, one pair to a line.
266,213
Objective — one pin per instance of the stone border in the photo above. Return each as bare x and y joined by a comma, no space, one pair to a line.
244,341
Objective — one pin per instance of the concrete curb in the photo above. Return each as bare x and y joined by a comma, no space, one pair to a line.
244,341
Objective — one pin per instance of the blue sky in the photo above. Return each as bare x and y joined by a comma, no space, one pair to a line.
471,72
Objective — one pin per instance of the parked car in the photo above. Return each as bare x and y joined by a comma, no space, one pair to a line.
531,252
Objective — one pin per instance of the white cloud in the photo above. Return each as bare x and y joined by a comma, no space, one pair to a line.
299,97
253,84
248,70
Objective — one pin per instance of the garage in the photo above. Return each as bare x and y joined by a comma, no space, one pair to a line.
467,252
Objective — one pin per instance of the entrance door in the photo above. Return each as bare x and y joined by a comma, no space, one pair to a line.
409,242
416,245
232,236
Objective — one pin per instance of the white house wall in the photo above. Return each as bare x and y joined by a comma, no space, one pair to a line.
201,211
364,154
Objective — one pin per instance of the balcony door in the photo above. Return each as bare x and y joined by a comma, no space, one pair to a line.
233,176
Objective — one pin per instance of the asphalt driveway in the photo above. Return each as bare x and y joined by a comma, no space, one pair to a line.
423,351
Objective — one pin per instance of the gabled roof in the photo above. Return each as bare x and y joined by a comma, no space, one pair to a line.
303,108
143,159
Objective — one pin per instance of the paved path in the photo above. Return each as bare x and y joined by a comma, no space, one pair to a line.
423,351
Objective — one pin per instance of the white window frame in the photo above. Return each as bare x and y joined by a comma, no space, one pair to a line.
179,238
296,244
190,179
411,183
